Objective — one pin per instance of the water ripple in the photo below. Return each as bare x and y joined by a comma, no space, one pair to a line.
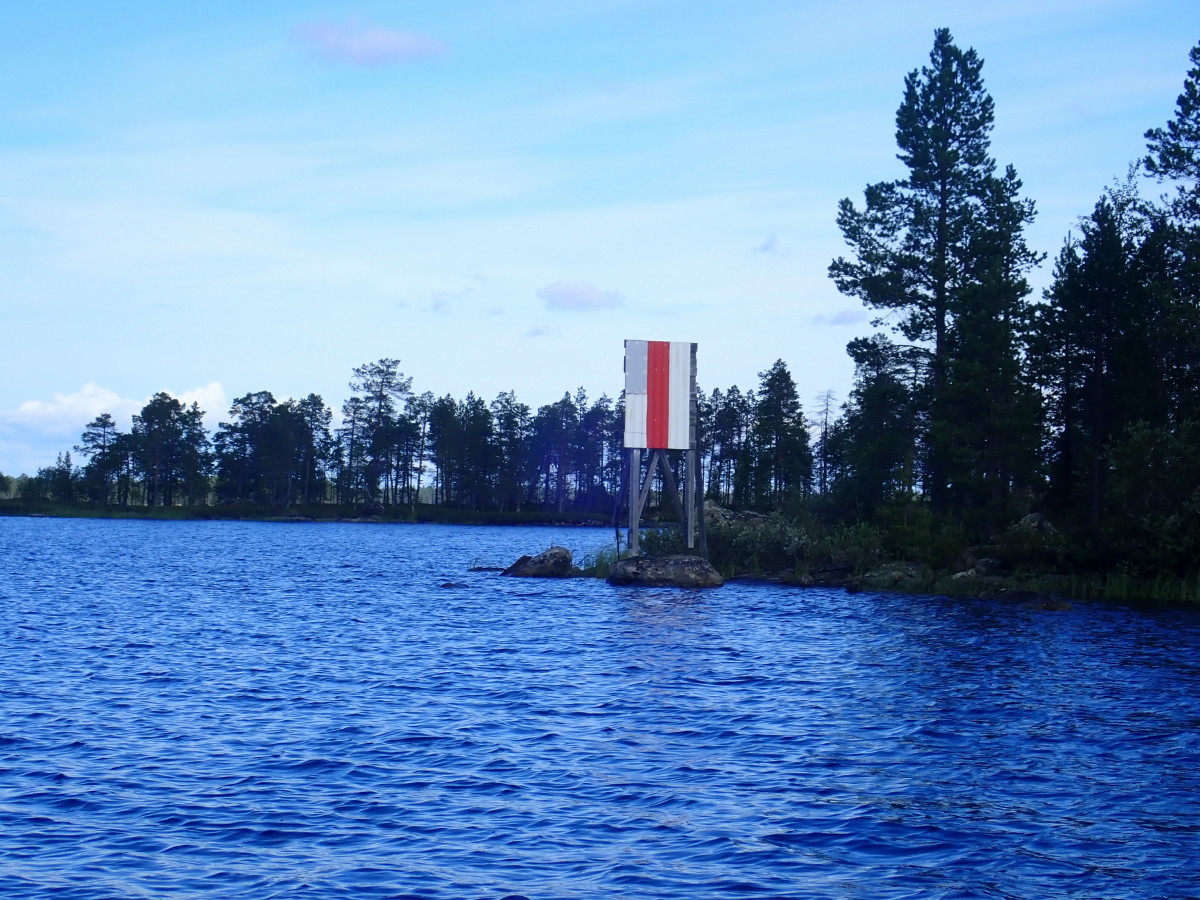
204,710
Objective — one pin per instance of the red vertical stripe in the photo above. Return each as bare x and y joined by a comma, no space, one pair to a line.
658,392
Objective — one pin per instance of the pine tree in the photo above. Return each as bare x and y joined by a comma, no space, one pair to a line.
1174,151
96,443
159,433
944,249
1174,155
380,386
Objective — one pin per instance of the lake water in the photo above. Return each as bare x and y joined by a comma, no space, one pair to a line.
254,710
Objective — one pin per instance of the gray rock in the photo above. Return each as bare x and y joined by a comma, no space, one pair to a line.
1036,523
986,565
892,575
553,563
714,512
665,571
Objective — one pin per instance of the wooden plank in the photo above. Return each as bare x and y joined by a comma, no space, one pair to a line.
635,394
658,393
635,420
635,367
681,384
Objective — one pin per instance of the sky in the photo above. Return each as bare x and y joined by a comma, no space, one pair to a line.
218,198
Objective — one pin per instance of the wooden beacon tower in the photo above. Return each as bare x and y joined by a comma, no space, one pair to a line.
660,417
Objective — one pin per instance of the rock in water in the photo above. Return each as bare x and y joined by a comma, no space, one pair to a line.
554,563
666,571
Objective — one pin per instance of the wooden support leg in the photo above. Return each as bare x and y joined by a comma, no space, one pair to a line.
671,488
644,493
703,527
635,497
689,505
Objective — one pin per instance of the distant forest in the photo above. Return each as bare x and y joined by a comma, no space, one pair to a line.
980,405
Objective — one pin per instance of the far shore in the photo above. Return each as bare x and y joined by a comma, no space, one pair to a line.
420,513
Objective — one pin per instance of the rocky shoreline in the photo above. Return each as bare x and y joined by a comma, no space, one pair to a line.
1041,592
677,570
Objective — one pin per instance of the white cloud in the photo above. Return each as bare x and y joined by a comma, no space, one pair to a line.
575,296
211,398
36,431
69,413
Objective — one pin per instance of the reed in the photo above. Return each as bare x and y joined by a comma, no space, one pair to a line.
1121,586
600,563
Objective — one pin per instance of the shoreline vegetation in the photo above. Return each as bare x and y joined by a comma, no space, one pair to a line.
991,442
1030,564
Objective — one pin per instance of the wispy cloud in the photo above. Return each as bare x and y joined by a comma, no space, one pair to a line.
770,246
849,316
575,296
368,45
540,331
443,301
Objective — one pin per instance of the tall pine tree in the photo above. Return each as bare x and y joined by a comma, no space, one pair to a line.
943,248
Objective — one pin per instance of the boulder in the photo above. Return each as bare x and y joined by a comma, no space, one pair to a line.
665,571
714,512
986,565
553,563
895,576
1036,523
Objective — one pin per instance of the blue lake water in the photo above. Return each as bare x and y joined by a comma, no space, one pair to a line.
254,710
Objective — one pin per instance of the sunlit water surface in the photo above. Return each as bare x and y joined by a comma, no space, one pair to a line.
253,710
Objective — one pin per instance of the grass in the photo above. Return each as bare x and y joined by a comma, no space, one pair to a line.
1167,589
83,511
600,563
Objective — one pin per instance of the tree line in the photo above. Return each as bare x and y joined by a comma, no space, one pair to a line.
396,447
979,405
983,404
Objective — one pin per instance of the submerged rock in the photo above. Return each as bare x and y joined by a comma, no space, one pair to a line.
553,563
665,571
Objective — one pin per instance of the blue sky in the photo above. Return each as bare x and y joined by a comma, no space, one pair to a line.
218,198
